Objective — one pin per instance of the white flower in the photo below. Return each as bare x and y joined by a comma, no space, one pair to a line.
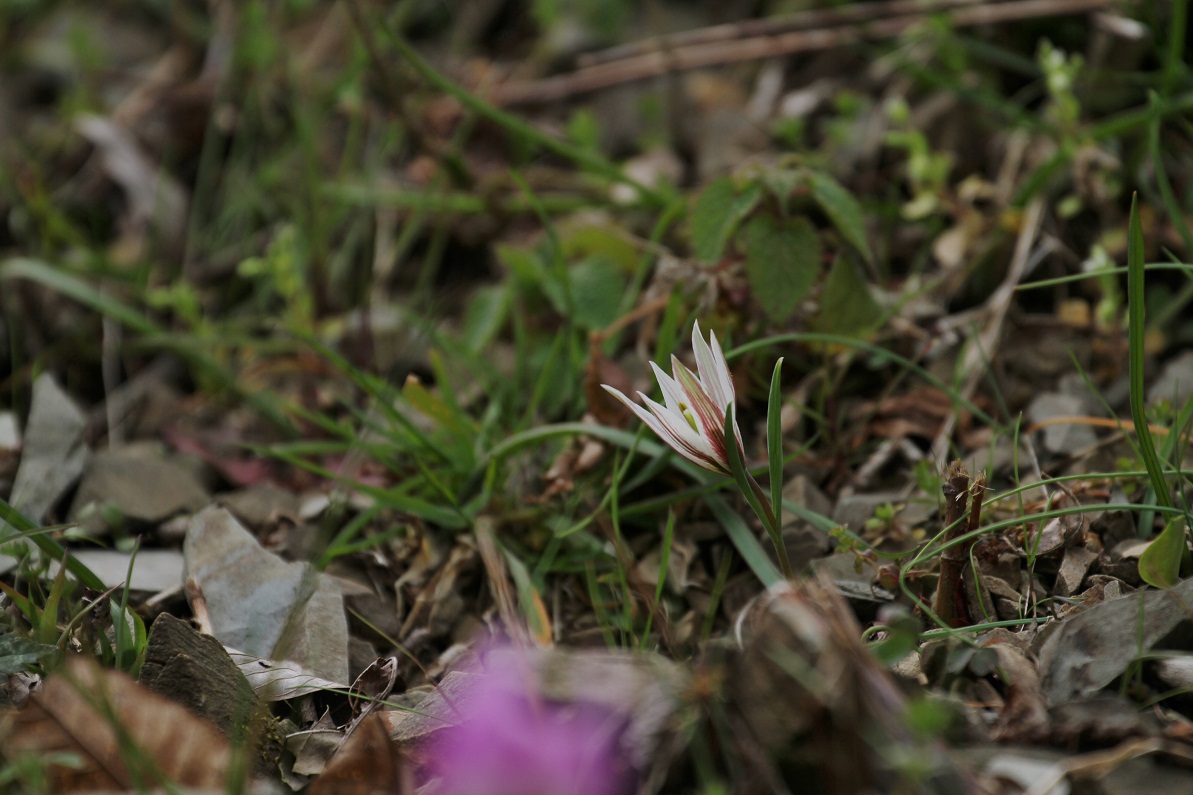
693,420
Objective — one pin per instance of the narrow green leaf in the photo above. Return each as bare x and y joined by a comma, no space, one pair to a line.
528,596
782,263
47,623
1160,563
744,541
774,443
1136,330
661,577
842,209
614,436
66,284
48,546
393,498
22,603
717,211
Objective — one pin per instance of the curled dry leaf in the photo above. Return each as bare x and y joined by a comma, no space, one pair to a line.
18,687
314,746
372,687
1024,715
78,712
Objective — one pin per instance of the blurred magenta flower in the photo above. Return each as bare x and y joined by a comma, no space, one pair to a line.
513,741
693,420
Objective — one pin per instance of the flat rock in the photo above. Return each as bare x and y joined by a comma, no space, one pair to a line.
54,454
261,505
1064,437
154,570
141,483
1175,382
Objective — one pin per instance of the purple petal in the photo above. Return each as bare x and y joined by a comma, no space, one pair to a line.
515,742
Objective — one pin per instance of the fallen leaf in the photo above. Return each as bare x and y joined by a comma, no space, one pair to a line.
154,570
1090,649
280,680
366,763
262,605
78,712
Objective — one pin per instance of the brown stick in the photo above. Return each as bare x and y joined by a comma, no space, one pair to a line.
715,52
950,604
770,26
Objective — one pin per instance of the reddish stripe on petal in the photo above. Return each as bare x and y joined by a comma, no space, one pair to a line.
673,429
709,419
680,436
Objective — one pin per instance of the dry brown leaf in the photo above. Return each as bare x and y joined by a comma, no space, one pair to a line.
374,686
368,762
124,735
808,690
1024,715
314,747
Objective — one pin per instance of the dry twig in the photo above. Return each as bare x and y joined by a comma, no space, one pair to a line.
725,44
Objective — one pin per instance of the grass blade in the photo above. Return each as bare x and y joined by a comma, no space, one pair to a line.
1135,338
774,444
48,546
744,541
1161,562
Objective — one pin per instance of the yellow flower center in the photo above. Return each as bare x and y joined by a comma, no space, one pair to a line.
689,416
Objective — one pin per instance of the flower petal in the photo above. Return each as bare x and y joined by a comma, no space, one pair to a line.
714,372
721,367
710,420
650,419
679,435
673,430
741,447
673,393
